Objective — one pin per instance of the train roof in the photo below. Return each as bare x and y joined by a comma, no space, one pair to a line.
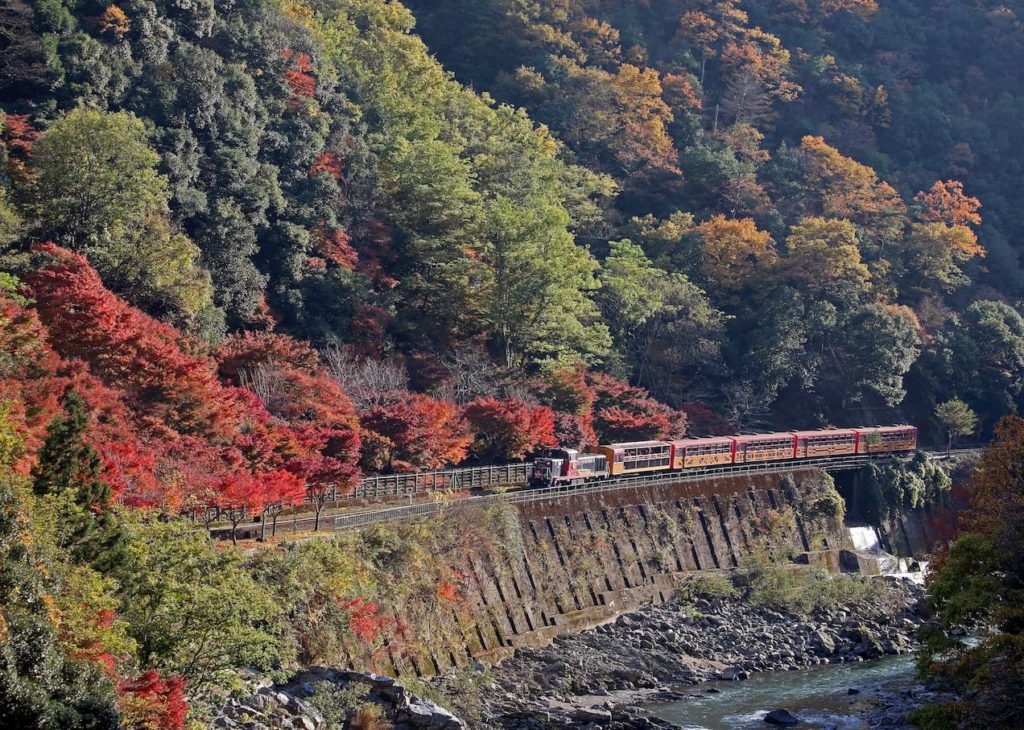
824,431
900,427
704,440
636,444
765,436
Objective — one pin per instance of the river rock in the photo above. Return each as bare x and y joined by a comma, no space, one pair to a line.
592,714
781,717
869,646
675,645
824,642
732,673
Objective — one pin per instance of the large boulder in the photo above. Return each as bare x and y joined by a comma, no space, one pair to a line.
782,718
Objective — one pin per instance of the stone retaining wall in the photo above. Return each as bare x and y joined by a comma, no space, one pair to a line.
575,563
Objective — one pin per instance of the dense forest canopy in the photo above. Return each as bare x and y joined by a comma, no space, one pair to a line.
250,250
784,214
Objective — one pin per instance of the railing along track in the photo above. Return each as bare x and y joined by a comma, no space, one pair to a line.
523,496
449,481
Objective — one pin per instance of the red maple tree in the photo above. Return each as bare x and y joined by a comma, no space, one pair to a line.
297,76
571,397
151,702
508,430
623,412
413,432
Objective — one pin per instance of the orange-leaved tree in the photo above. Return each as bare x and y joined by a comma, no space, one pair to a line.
509,429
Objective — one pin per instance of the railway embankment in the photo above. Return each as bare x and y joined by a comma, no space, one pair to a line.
517,576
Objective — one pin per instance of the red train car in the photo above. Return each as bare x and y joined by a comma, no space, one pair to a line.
764,447
881,439
689,453
827,442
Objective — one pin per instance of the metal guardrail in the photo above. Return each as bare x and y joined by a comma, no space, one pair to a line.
474,477
408,485
373,515
391,514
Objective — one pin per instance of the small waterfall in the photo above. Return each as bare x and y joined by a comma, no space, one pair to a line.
866,539
867,544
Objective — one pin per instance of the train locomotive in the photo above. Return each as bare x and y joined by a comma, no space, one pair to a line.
570,466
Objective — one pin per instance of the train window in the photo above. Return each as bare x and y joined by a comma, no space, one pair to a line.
832,439
771,445
648,462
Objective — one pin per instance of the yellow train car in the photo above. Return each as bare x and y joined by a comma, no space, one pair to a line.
637,457
691,453
882,439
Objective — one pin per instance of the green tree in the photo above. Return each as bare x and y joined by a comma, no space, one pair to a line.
978,583
662,324
880,346
983,353
10,221
537,305
957,418
192,607
69,471
94,187
93,176
934,254
40,686
893,488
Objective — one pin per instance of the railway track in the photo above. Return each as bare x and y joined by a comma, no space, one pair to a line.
520,494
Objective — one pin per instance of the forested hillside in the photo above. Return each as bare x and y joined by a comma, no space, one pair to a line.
786,214
250,249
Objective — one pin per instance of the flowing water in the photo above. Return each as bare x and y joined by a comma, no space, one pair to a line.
817,696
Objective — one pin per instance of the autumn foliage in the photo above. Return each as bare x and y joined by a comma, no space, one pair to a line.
412,432
572,399
734,252
150,702
508,430
298,74
623,412
170,433
114,20
367,622
946,202
335,246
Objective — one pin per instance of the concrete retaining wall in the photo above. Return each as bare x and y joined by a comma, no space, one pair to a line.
574,563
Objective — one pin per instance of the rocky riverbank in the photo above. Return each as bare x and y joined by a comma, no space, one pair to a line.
599,678
654,653
330,699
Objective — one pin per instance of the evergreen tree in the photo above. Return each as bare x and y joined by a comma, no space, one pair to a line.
40,686
67,466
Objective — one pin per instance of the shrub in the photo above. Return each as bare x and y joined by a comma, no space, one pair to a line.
706,585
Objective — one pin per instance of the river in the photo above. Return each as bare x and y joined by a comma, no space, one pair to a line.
818,696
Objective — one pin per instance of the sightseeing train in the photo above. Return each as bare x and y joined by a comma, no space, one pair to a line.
569,466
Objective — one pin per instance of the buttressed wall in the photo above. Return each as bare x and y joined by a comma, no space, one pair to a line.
530,572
